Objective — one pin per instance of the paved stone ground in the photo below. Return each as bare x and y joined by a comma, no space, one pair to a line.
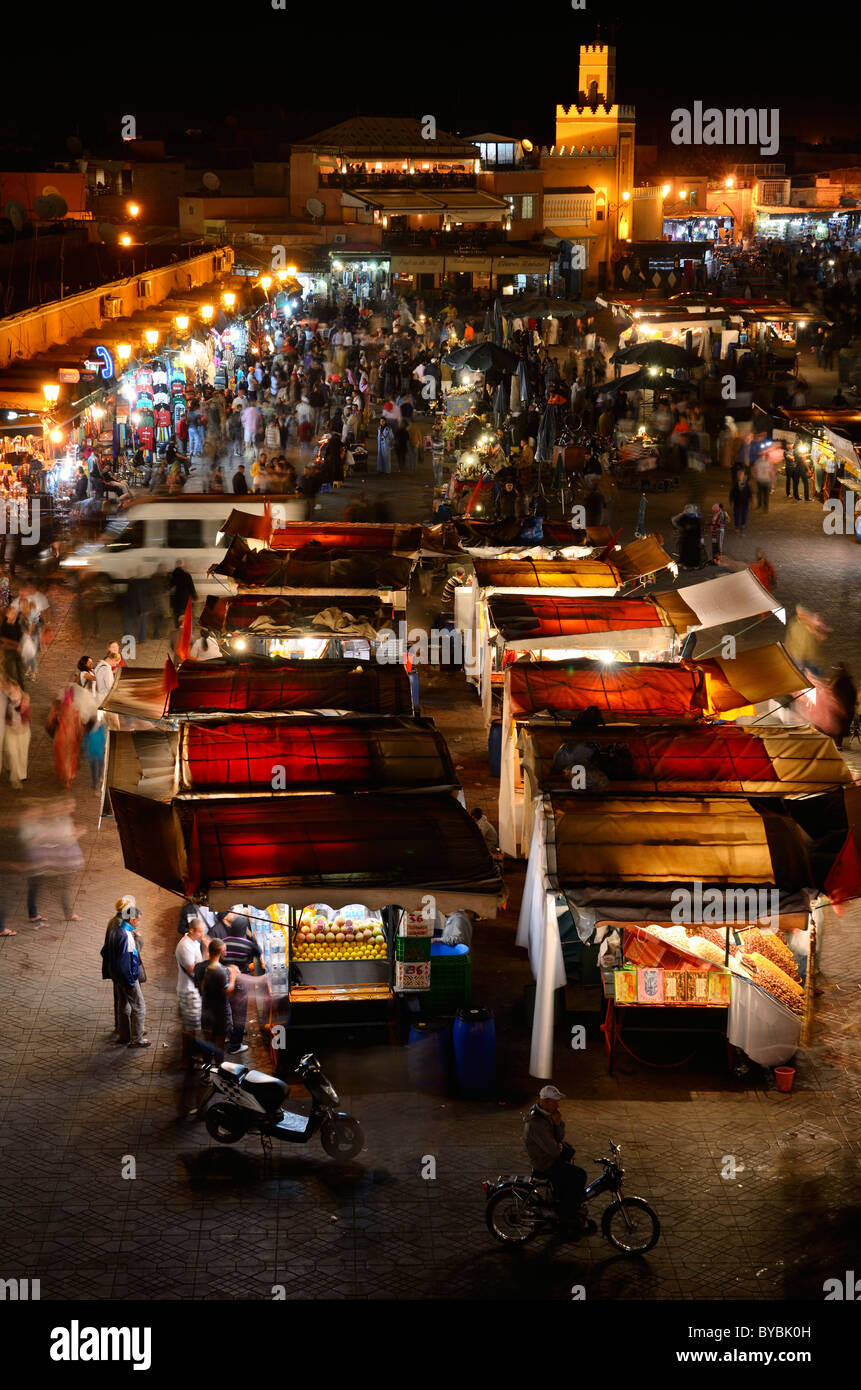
201,1221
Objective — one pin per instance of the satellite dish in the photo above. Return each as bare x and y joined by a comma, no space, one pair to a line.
109,232
211,181
16,213
315,208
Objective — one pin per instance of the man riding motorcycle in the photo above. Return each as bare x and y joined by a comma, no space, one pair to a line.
550,1156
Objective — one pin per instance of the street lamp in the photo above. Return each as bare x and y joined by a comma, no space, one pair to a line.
730,181
57,436
125,241
626,197
206,311
124,351
181,322
151,336
665,190
229,299
132,209
265,282
683,193
51,392
291,270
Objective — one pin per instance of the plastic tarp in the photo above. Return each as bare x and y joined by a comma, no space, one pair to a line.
215,687
614,624
313,568
378,850
704,759
396,539
766,1030
335,615
338,754
553,576
762,673
538,933
642,557
716,602
627,690
675,840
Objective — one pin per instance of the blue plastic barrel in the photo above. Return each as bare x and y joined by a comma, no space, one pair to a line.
475,1052
429,1056
494,749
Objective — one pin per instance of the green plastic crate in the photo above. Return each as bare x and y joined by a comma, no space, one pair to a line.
413,948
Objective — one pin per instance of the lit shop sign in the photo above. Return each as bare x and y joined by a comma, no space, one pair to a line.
68,376
103,365
107,362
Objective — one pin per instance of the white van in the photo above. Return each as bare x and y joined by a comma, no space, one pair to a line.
154,533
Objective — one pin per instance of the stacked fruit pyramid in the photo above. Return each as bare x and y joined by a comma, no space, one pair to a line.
319,937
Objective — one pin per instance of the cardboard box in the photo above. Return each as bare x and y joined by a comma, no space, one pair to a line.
626,986
411,975
720,987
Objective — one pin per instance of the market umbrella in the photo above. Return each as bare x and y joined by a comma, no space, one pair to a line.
646,379
655,354
538,306
546,436
481,357
500,403
498,329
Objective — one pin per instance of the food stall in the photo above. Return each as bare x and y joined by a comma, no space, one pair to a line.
621,695
254,688
314,863
300,627
548,578
626,863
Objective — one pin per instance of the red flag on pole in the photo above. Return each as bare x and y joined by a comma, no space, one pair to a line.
606,554
844,877
170,680
183,646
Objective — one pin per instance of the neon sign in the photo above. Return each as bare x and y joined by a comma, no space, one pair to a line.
107,362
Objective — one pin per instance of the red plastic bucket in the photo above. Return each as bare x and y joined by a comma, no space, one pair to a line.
784,1077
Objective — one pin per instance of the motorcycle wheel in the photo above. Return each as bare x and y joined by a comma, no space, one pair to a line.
342,1138
223,1123
507,1220
640,1235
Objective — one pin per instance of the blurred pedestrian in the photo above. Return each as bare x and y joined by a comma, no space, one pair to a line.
182,590
16,742
216,984
719,521
845,695
50,853
68,735
739,496
94,745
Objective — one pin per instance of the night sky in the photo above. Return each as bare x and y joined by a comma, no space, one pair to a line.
474,66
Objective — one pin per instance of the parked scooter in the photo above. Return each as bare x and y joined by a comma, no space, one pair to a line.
518,1208
252,1102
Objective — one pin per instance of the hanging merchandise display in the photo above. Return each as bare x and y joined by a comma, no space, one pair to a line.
161,403
177,393
145,409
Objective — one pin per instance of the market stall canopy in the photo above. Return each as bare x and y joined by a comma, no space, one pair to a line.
397,539
548,576
610,624
495,537
750,677
344,615
274,686
716,602
630,691
639,558
609,851
668,356
378,850
313,568
280,755
705,759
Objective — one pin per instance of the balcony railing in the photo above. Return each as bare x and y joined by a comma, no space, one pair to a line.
422,178
455,240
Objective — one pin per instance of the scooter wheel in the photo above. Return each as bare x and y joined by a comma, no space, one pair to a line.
342,1138
223,1123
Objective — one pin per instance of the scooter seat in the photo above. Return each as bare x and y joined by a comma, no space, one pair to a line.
270,1091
